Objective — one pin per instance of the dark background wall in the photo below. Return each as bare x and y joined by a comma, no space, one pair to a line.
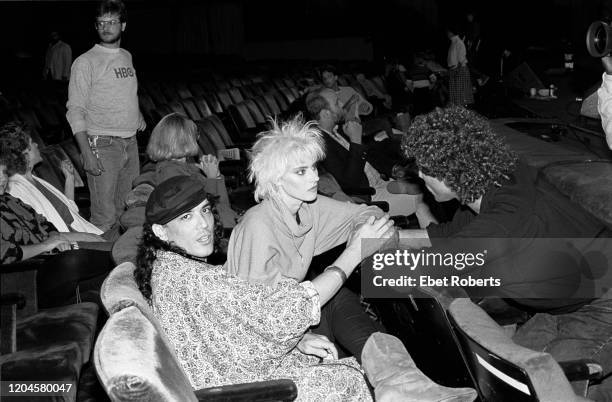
162,32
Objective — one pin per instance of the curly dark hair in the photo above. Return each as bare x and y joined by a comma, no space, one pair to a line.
458,147
14,142
150,244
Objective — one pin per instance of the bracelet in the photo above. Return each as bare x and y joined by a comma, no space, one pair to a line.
337,271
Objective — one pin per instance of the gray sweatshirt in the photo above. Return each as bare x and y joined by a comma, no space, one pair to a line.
102,95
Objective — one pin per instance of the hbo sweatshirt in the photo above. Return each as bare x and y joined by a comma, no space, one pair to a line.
102,95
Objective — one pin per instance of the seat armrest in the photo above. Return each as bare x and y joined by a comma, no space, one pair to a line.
273,390
10,299
582,369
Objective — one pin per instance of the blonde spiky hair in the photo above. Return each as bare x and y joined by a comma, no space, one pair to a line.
289,141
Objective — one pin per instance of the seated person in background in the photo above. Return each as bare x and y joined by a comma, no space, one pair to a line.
22,154
421,81
352,100
27,234
503,198
278,238
171,147
355,106
349,161
373,91
395,80
226,330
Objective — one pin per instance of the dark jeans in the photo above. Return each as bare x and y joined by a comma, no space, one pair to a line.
60,276
344,322
582,334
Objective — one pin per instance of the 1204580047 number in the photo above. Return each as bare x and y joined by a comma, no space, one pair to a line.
36,388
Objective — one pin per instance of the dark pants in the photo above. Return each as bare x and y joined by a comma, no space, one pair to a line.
344,322
61,276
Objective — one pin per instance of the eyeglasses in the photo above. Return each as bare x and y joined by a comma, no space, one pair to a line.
103,24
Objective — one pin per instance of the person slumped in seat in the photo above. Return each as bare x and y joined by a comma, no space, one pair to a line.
57,207
26,234
354,164
226,330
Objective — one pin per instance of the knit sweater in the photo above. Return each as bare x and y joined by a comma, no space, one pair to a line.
269,244
102,94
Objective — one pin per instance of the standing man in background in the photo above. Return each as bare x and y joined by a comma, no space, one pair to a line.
104,116
57,59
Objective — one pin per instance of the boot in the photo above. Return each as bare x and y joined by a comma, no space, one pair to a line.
395,377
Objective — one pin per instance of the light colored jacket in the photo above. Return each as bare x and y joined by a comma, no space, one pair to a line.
27,192
604,106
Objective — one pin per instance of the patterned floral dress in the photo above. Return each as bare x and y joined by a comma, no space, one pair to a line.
228,331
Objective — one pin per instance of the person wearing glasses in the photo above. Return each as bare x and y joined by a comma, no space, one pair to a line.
104,116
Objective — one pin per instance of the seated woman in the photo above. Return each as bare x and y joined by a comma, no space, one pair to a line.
26,234
278,238
172,145
22,155
226,331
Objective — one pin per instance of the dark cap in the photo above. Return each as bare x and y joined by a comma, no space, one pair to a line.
173,197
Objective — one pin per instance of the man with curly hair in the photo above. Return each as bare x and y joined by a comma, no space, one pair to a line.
460,157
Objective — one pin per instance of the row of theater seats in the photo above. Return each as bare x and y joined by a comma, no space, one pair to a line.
244,109
228,112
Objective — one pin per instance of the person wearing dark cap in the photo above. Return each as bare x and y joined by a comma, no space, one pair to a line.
254,328
226,330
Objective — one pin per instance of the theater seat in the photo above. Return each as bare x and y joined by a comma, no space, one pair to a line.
42,345
202,106
177,107
134,361
263,107
243,121
213,102
236,95
192,111
256,114
272,104
505,371
225,99
183,91
280,100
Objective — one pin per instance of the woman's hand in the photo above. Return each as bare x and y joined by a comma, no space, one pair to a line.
209,165
317,345
56,241
67,169
81,236
373,229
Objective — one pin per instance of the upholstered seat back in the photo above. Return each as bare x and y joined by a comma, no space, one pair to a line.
134,362
503,367
120,290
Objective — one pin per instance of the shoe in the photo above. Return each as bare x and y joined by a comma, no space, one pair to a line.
395,376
